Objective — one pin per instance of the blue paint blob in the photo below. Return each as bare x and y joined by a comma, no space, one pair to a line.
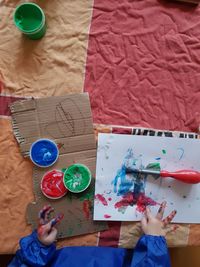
158,158
124,184
138,188
133,182
44,153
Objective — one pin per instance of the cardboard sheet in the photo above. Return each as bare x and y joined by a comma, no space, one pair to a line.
123,195
66,120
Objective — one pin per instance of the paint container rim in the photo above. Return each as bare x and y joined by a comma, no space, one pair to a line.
89,182
39,8
43,191
50,141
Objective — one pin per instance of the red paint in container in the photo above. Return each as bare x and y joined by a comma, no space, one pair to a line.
52,184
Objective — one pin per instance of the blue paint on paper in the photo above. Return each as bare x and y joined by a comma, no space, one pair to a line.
182,152
125,184
44,152
132,182
139,186
158,158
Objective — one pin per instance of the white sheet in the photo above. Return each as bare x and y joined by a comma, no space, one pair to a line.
115,151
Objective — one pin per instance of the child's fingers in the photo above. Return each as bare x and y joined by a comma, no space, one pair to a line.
47,237
44,229
52,235
57,219
161,210
42,214
43,211
169,218
148,214
47,213
171,228
40,230
144,222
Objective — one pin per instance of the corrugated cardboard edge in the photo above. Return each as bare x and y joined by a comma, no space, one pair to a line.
15,108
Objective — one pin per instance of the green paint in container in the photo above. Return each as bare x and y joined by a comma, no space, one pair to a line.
29,18
77,178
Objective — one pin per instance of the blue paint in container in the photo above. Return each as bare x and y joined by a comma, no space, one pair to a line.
44,152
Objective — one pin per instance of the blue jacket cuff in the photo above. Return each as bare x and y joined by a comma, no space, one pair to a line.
33,253
151,251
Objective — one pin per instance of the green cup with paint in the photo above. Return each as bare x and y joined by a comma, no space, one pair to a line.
77,178
29,18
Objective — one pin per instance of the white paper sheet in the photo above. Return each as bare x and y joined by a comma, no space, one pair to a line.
117,151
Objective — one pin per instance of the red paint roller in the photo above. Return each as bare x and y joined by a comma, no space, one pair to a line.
185,176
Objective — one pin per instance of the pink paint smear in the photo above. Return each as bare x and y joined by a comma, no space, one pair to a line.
107,216
101,199
140,201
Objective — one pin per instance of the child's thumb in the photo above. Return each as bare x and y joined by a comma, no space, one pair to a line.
53,233
45,229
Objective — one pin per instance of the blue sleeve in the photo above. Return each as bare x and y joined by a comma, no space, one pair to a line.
32,253
151,251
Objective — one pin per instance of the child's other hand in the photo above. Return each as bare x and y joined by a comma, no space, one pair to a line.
47,234
156,225
46,229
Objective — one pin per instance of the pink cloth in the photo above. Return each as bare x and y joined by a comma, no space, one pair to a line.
143,64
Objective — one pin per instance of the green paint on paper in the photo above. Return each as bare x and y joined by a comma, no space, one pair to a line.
153,166
164,151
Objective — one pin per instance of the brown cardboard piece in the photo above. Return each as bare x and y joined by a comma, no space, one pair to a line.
68,121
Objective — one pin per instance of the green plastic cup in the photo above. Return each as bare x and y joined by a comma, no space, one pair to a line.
29,18
77,178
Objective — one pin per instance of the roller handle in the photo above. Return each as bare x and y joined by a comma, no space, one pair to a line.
185,176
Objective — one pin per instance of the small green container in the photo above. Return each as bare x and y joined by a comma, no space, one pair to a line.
29,18
77,178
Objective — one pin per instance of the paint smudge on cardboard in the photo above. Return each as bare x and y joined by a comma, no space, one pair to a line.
86,208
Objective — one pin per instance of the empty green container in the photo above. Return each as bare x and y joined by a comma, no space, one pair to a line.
29,18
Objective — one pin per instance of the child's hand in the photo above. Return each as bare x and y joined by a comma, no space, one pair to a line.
156,225
47,234
46,230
